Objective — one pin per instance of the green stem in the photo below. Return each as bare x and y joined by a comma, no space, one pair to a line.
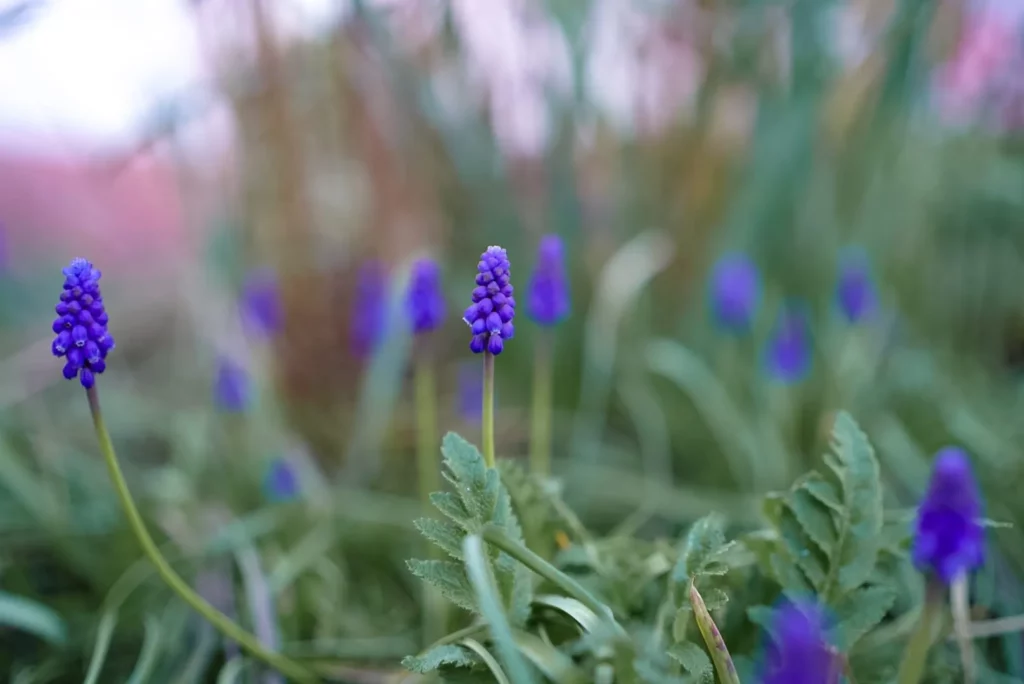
488,414
434,606
223,623
916,653
713,639
497,537
540,433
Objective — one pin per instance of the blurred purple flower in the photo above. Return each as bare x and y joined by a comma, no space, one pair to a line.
425,299
281,482
788,350
490,316
232,389
797,649
262,310
81,324
948,537
548,300
735,292
370,309
470,393
856,295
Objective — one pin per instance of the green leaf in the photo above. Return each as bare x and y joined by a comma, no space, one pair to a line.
821,489
860,520
715,598
446,655
31,617
693,658
814,518
450,506
445,534
860,611
449,577
475,484
705,538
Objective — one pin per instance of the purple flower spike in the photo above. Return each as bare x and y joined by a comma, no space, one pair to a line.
281,483
231,386
370,308
262,310
425,300
788,351
735,292
490,316
948,536
548,300
798,651
856,296
81,324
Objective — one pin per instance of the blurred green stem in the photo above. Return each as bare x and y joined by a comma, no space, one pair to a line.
434,606
916,652
223,623
488,414
540,433
713,639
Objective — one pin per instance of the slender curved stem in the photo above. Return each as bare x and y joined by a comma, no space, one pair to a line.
223,623
429,475
488,413
540,428
915,654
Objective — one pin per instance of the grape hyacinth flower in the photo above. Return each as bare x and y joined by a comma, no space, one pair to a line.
281,482
262,310
490,318
548,299
81,324
788,351
856,296
83,338
735,292
798,651
369,313
231,387
948,536
425,300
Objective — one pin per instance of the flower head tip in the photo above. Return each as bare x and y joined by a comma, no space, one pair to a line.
262,310
281,483
856,296
369,313
425,300
948,536
81,324
735,291
493,308
548,299
798,651
231,386
788,350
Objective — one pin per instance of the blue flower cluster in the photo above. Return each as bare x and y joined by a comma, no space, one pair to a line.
490,316
81,324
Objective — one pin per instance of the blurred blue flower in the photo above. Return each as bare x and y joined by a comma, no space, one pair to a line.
369,309
425,299
734,292
281,482
548,300
232,389
948,537
470,393
797,649
788,350
81,324
262,310
856,294
490,316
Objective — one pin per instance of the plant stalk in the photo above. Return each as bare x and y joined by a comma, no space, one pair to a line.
488,413
713,639
915,654
540,433
221,622
429,475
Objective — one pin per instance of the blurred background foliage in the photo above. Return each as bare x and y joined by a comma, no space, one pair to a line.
381,138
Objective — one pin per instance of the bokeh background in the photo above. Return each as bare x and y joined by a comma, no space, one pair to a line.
203,151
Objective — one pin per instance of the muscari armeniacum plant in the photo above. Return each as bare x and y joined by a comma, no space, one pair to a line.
948,543
547,303
369,310
84,341
490,318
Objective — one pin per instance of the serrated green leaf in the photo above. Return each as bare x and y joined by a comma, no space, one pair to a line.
692,657
681,622
475,484
860,520
715,598
786,573
446,655
450,505
814,518
445,534
714,568
450,579
859,612
706,536
801,549
821,489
